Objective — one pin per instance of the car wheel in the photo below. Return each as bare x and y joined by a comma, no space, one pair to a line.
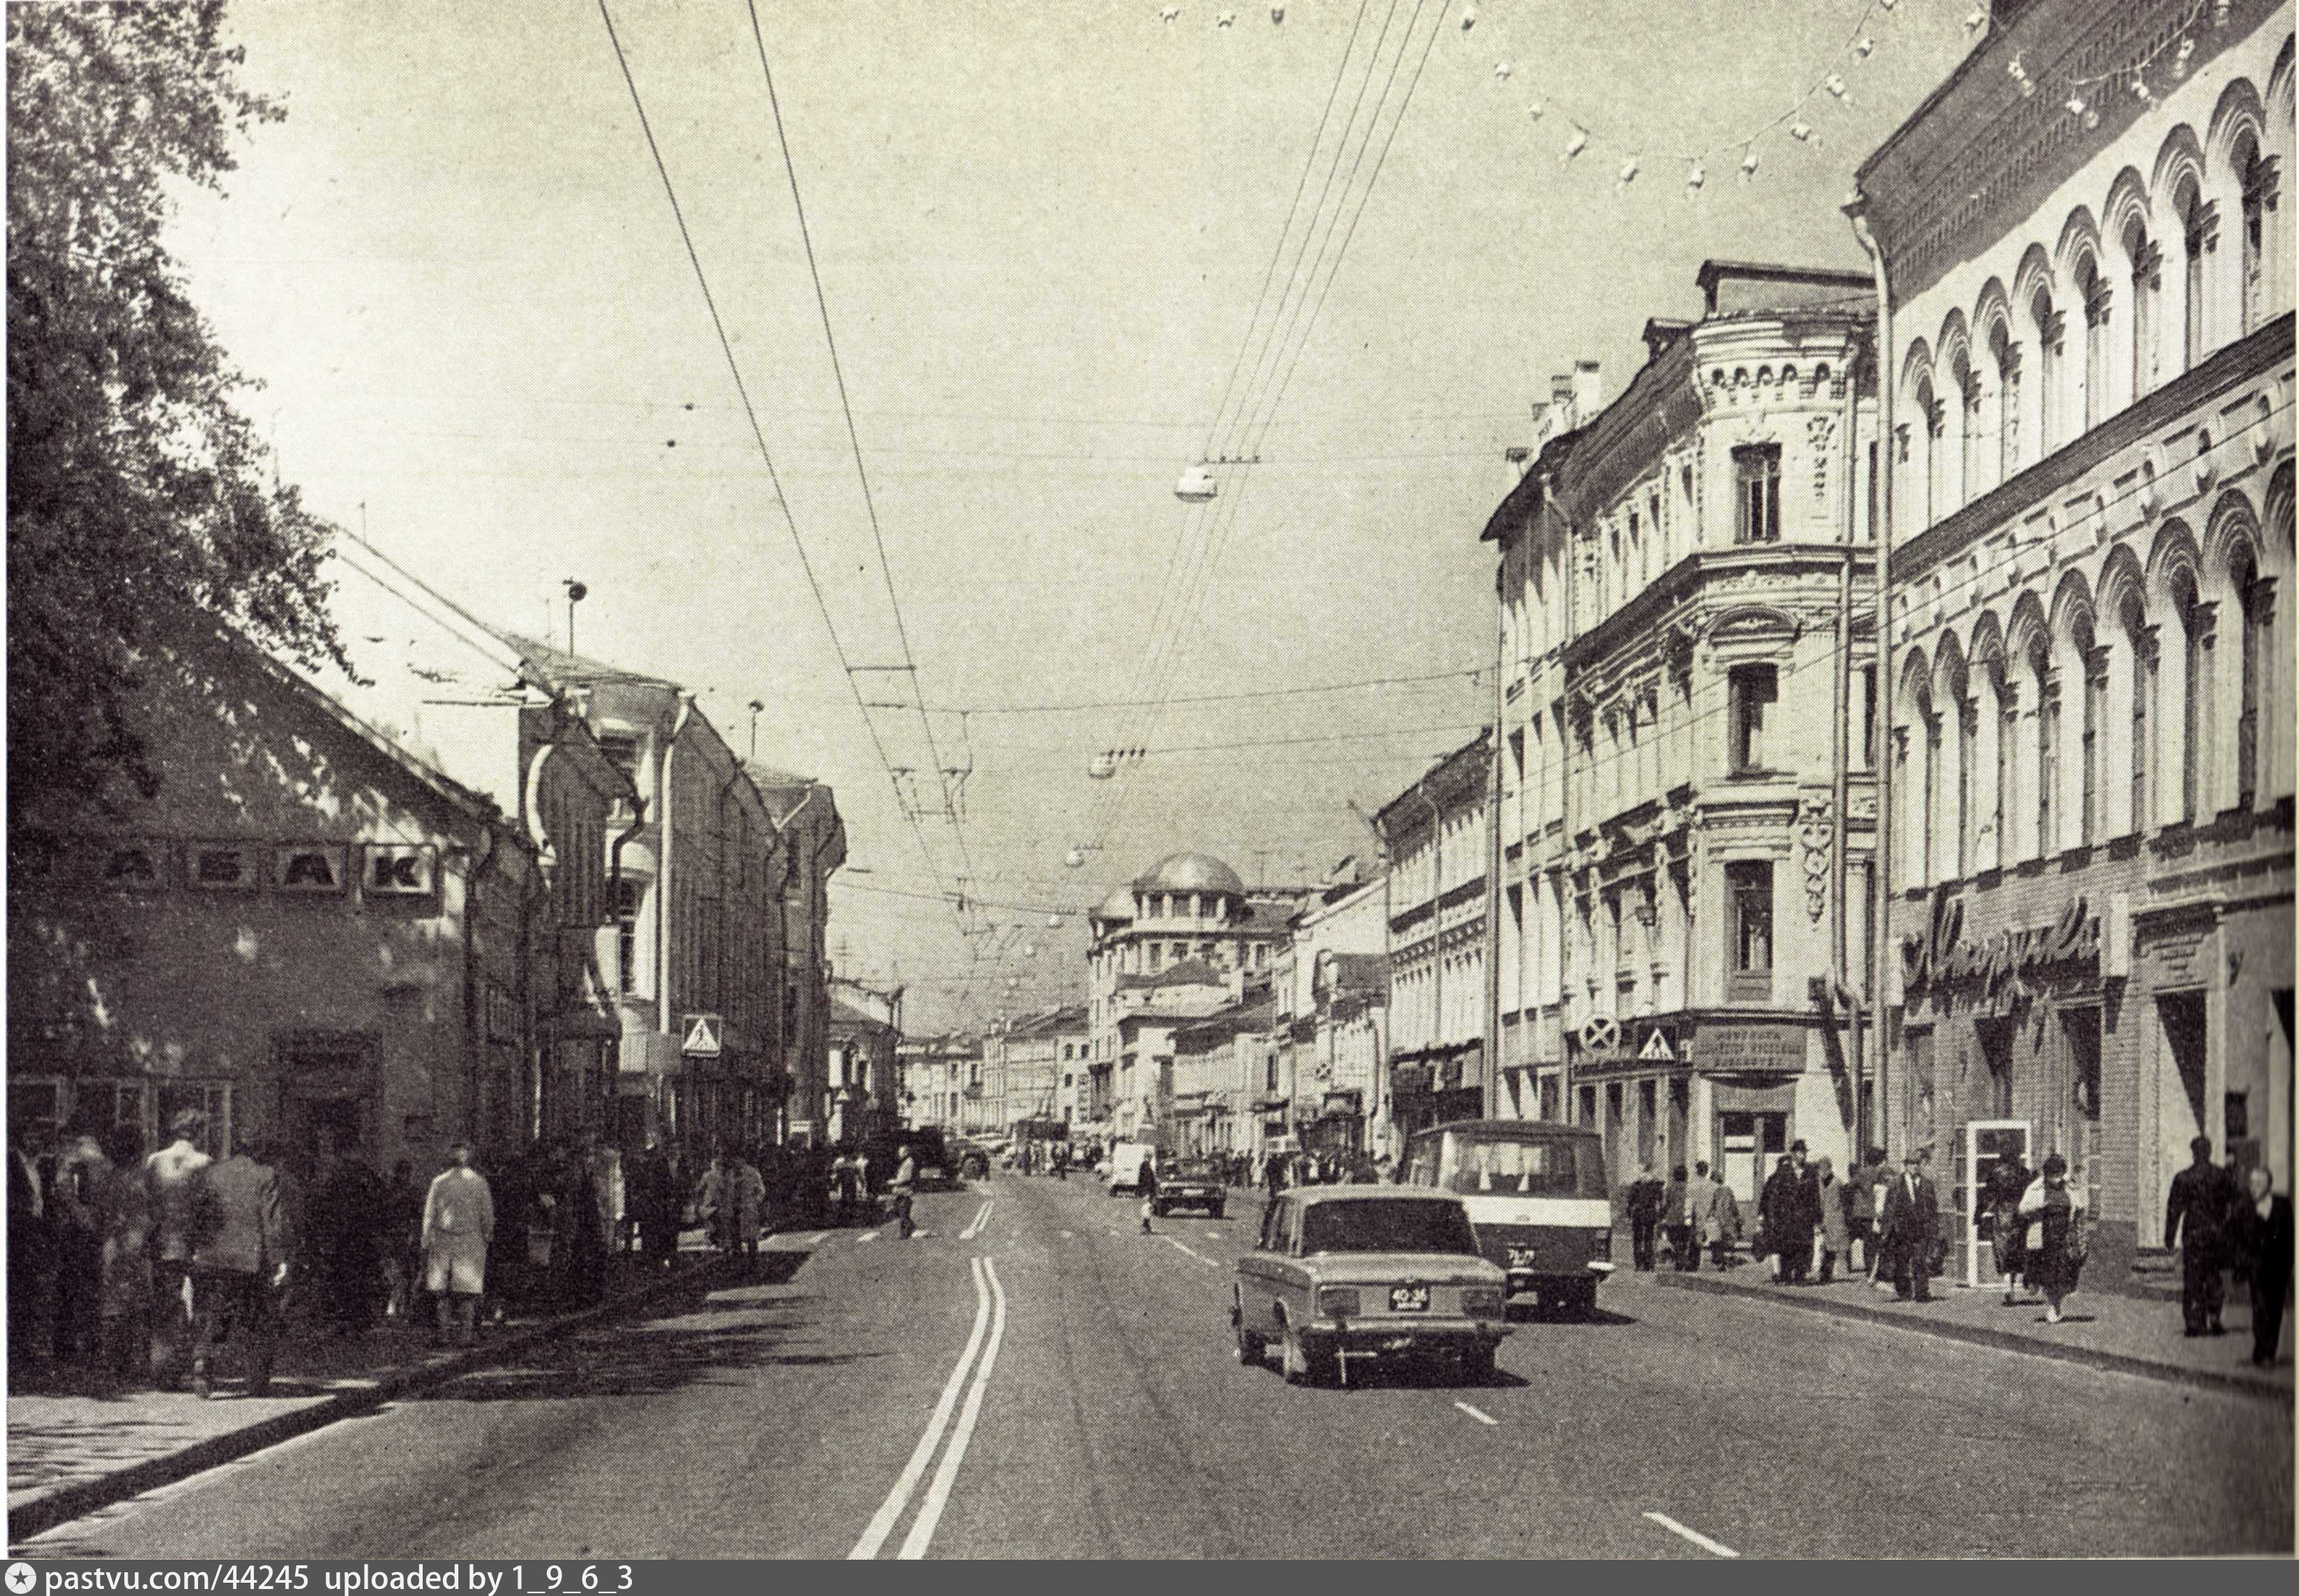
1305,1364
1252,1350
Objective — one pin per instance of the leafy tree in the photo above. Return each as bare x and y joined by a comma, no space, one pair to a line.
138,496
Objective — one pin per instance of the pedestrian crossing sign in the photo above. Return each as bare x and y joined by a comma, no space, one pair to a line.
1656,1046
702,1034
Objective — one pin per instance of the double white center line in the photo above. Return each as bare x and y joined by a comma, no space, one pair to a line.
990,1317
981,1221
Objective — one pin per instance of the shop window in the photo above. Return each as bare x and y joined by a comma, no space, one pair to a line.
1753,690
1756,475
1748,894
1588,1105
2080,1026
1922,1118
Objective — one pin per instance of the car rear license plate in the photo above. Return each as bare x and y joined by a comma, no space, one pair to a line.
1519,1258
1408,1299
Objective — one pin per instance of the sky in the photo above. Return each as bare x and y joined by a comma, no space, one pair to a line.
1042,233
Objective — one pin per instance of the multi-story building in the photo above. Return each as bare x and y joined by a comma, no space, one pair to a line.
1025,1060
1188,910
2086,236
1676,576
696,868
810,844
1219,1061
1438,844
1332,1113
941,1077
865,1035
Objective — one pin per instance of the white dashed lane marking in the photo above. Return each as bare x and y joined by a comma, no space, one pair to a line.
1478,1414
1695,1536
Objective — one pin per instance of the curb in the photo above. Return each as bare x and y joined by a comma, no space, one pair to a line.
2003,1341
83,1497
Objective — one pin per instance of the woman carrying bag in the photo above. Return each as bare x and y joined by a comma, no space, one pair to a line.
2052,1216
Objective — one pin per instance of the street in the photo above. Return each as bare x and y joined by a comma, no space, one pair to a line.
1102,1413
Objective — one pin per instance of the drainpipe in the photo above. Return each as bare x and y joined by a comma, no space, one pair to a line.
1841,798
1881,865
1489,1108
474,1011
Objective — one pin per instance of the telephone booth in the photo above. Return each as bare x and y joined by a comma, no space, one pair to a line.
1987,1143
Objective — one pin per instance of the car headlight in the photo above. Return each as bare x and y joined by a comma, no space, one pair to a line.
1337,1302
1481,1299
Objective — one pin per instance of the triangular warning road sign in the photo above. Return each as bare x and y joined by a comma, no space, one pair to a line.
1656,1046
702,1037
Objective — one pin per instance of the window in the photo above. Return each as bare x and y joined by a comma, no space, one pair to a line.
2088,830
1967,755
627,895
1867,718
2256,183
1156,955
2146,281
2007,738
1753,690
2048,373
2255,658
2143,694
1967,383
2195,231
2094,289
2195,745
2007,403
1926,837
1756,469
2048,749
1748,894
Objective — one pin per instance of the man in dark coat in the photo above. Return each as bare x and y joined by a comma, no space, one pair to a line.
2195,1220
2261,1238
1911,1225
31,1238
349,1212
1644,1206
651,1192
239,1262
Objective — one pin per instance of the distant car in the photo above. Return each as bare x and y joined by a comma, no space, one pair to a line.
970,1160
1190,1183
1345,1273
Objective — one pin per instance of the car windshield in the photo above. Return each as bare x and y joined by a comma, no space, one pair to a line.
1478,1166
1387,1225
1194,1169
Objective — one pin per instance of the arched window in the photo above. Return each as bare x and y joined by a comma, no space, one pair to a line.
2249,724
1968,396
2142,699
2048,746
1933,416
1929,723
1967,752
2092,288
2146,263
2195,230
2195,741
2258,200
2006,355
2049,330
2007,738
2093,662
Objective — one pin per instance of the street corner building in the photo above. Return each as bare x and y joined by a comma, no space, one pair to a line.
1687,711
2087,241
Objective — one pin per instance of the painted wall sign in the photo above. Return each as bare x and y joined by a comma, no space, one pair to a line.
398,870
2009,960
1748,1047
310,868
224,867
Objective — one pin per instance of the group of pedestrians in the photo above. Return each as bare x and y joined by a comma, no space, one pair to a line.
2218,1225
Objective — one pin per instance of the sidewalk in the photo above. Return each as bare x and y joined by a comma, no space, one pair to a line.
2102,1329
78,1441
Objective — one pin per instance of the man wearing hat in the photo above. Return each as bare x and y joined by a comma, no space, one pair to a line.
239,1264
175,1178
1911,1227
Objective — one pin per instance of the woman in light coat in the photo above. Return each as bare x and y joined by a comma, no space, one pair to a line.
1835,1220
2052,1212
742,1201
459,1221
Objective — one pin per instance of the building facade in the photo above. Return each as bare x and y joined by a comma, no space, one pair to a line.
864,1041
811,845
1440,874
1676,575
1332,1105
1025,1060
2090,721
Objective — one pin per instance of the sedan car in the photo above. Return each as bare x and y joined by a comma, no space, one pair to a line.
1190,1183
1346,1273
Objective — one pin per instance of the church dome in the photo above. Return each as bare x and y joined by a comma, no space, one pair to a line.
1191,873
1117,906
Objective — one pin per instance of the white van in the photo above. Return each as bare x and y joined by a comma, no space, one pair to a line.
1127,1160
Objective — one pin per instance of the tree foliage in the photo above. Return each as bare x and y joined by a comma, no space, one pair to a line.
138,496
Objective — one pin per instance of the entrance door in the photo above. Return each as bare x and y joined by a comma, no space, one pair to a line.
1751,1145
315,1123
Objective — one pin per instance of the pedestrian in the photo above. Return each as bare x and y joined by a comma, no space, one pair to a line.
1720,1216
173,1176
123,1300
746,1200
1676,1220
709,1198
1835,1220
1273,1172
905,1182
1645,1199
2261,1238
846,1186
2007,1183
2195,1219
345,1240
1860,1196
653,1193
31,1234
459,1221
1799,1218
402,1242
77,1234
1911,1223
1777,1206
240,1263
1148,1193
2056,1245
583,1216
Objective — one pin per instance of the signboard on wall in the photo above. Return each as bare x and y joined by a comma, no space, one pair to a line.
223,866
1748,1047
398,870
310,868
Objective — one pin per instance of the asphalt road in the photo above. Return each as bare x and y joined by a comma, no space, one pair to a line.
1032,1377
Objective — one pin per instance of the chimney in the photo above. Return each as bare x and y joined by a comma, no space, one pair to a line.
1588,392
1520,462
1560,396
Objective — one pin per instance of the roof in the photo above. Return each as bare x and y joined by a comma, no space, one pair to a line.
1359,972
1118,905
1222,1024
844,1013
1359,1194
1784,286
1067,1019
561,666
1186,872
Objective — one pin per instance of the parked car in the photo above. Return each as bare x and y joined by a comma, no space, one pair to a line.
1190,1183
970,1159
1346,1273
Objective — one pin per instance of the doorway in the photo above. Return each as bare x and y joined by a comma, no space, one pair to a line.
1748,1145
